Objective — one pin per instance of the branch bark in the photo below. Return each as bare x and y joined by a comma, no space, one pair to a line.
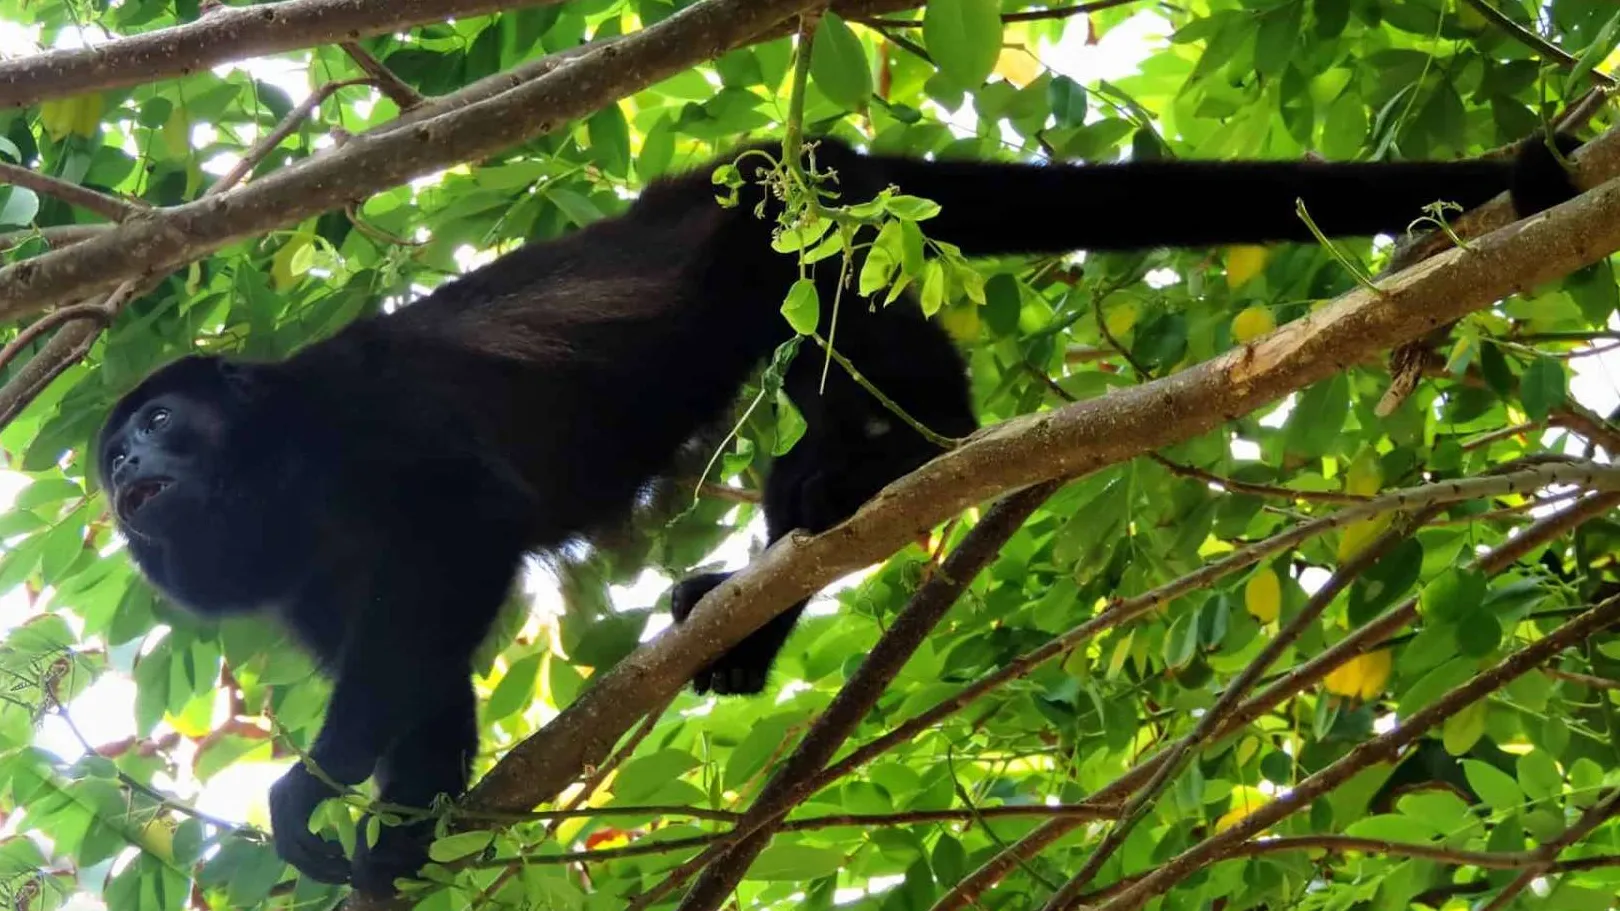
221,37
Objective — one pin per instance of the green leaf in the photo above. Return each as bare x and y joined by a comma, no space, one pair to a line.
795,863
1067,100
1541,389
1539,776
1494,786
933,287
1452,595
803,306
1462,730
516,689
964,38
609,134
462,844
913,207
838,64
1318,416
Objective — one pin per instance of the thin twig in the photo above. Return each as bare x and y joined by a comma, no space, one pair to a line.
386,80
1594,816
1586,680
95,313
790,785
267,143
53,236
1532,40
112,208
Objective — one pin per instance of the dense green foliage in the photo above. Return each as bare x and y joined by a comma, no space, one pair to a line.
1347,79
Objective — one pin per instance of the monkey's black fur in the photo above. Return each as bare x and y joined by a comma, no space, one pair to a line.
377,491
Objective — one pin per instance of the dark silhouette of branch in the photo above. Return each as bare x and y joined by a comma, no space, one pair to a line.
370,163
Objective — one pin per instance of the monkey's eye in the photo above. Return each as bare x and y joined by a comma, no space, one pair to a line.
117,460
158,419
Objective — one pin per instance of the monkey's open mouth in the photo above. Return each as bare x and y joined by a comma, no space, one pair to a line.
140,493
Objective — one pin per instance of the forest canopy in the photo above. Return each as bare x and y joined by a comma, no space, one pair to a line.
1282,577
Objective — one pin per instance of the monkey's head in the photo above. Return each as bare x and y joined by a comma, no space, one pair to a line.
189,462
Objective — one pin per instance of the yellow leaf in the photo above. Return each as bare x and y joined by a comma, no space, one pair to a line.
284,271
1244,262
1120,318
176,134
1262,595
1245,800
79,115
1251,323
1018,66
1362,677
157,839
961,322
1358,535
1365,475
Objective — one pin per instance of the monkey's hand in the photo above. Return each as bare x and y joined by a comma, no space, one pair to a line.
292,799
399,853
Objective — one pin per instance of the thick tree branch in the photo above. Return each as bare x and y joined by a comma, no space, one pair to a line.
239,33
222,36
159,242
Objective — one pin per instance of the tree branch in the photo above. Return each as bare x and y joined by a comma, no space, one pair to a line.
1174,756
109,207
386,80
229,34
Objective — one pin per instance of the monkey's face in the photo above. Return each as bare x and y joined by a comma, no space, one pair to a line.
157,463
179,458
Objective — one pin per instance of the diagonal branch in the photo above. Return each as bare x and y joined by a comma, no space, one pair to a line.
109,207
228,34
1173,758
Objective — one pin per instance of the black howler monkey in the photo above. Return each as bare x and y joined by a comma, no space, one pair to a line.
377,491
